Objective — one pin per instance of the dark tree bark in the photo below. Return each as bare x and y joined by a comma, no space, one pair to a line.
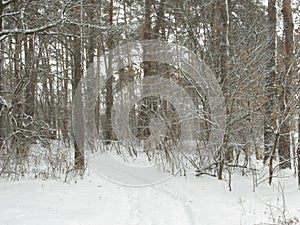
109,98
31,79
65,122
224,79
224,44
79,121
298,150
2,107
286,85
159,29
90,111
270,87
143,131
31,76
147,23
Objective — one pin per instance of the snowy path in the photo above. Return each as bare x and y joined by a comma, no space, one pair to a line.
95,201
153,206
45,202
91,201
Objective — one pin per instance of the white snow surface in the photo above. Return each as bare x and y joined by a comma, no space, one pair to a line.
179,201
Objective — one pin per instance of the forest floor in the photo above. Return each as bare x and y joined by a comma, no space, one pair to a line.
186,200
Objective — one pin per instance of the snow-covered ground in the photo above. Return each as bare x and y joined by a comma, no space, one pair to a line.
180,200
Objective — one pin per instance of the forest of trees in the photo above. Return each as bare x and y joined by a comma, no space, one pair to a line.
47,46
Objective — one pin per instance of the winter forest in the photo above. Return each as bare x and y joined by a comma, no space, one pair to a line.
149,112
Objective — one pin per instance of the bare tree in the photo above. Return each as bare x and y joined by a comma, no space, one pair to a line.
109,98
31,75
144,117
77,73
224,75
270,89
2,103
298,149
286,84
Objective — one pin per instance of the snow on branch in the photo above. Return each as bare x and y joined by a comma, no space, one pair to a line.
5,32
30,31
3,102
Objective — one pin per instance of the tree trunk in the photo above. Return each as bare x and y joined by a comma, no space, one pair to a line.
31,76
52,117
79,121
143,131
147,23
270,87
298,150
286,85
159,29
109,98
65,129
90,111
224,55
2,107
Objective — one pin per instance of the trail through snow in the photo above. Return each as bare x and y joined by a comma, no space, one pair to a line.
183,201
154,206
92,201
